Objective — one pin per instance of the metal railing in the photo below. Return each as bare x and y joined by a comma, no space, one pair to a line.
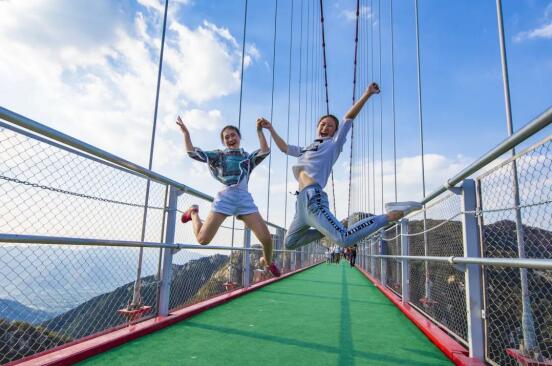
71,218
483,278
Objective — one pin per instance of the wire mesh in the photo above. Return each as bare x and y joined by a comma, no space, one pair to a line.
394,267
518,302
198,275
53,294
50,190
435,288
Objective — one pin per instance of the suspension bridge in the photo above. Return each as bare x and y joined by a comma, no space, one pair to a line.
467,280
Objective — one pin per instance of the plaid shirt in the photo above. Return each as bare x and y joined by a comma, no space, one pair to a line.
229,166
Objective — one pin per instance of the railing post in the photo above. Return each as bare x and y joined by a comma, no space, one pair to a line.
246,257
383,262
474,292
405,270
372,258
279,245
166,271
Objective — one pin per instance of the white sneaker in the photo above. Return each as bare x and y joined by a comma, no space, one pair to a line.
406,207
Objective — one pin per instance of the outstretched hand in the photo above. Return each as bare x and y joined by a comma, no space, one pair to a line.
263,123
373,89
182,126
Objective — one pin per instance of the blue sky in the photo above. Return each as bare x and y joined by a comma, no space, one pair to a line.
89,69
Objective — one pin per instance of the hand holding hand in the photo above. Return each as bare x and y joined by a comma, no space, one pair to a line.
263,123
182,126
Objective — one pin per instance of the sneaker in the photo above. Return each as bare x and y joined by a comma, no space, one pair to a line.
274,270
406,207
187,216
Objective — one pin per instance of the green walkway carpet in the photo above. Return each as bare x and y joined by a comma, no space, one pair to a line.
328,315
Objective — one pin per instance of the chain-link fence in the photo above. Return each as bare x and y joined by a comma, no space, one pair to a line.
518,301
510,223
89,213
438,289
392,240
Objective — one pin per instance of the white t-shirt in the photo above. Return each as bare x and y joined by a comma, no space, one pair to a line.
318,158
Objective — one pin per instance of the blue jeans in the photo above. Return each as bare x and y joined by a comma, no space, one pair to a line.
312,211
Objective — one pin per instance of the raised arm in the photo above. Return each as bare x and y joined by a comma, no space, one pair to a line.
260,134
355,109
187,140
282,145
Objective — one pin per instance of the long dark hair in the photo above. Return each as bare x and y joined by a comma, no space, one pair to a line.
232,127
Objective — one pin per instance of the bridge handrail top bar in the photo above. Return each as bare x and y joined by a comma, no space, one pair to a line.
80,242
534,263
534,126
53,134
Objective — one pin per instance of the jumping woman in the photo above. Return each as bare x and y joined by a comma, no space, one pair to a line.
232,167
313,219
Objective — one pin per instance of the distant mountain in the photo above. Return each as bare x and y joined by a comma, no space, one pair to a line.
204,278
12,310
502,286
74,275
100,312
20,339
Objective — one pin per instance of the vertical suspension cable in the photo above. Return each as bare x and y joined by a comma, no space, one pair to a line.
528,327
398,264
420,114
420,118
361,125
136,296
373,119
307,41
393,102
272,106
367,55
381,105
324,54
354,98
242,64
288,111
299,83
364,122
241,94
312,83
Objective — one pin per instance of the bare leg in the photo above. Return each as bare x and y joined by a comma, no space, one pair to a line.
205,231
256,223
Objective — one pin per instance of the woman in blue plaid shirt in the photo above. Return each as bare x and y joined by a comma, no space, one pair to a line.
232,167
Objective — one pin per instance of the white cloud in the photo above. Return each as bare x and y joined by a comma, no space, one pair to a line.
543,32
364,12
206,62
96,80
438,169
198,119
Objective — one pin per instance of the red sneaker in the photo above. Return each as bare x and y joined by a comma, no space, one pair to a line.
187,216
274,270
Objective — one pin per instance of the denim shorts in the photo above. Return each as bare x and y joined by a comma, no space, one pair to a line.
234,201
